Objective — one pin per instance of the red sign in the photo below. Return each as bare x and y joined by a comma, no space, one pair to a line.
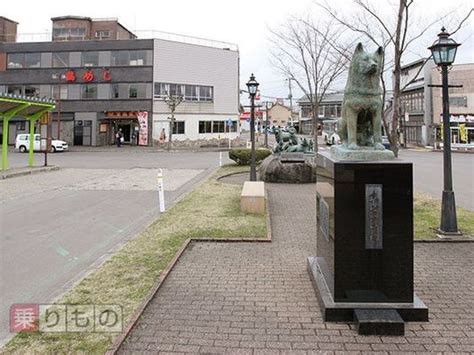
106,75
143,127
88,76
70,76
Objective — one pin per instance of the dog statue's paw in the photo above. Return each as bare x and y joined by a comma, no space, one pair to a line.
379,146
353,146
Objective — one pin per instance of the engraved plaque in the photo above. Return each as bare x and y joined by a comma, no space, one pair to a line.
291,157
324,218
373,216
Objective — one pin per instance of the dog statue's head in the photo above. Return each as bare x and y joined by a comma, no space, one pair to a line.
367,63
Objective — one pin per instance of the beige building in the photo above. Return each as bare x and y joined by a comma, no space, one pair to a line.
280,115
461,103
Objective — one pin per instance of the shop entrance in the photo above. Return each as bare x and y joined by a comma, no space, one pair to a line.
83,132
126,131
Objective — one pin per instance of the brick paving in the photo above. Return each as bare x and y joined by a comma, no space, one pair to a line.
257,298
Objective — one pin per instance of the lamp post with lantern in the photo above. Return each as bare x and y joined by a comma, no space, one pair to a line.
252,86
444,52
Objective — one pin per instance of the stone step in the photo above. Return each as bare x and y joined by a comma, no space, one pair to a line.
379,322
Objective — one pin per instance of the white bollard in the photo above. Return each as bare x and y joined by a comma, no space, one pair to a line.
220,158
161,191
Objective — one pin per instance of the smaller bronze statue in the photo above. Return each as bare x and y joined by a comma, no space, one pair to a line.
288,142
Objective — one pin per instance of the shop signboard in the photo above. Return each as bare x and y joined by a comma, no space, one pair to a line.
143,127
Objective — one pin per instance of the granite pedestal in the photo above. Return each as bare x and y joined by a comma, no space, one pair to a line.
364,249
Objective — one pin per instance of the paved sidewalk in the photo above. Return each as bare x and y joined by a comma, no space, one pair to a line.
258,298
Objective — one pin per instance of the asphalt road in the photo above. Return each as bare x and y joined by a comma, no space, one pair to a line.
428,174
58,226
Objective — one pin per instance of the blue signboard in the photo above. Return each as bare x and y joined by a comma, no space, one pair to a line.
229,122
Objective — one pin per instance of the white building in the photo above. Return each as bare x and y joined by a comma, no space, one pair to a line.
208,79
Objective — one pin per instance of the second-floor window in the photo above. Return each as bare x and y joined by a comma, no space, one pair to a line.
89,91
24,60
189,92
90,59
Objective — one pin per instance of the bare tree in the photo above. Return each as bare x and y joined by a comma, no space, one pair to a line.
378,28
311,54
173,102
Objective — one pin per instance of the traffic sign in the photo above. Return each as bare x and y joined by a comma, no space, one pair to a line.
229,122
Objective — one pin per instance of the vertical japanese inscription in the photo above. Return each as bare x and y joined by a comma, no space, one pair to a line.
373,216
324,218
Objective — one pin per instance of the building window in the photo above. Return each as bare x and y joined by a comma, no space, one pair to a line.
138,58
232,128
16,60
15,90
119,58
306,111
32,60
115,92
205,127
21,126
73,34
191,93
89,91
130,58
55,92
137,91
161,90
178,127
90,59
205,93
32,91
102,34
60,60
218,126
176,89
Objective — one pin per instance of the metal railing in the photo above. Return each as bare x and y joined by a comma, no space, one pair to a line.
143,34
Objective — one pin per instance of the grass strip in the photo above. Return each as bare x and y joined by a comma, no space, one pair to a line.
212,210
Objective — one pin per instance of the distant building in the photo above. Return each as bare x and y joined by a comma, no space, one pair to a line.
281,115
8,30
416,116
329,108
105,79
461,104
78,28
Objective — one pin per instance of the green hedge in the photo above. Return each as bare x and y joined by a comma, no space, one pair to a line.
242,156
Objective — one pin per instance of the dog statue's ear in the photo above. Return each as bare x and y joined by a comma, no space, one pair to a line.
359,47
379,51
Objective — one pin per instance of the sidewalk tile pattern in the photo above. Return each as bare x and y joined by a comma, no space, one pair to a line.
252,298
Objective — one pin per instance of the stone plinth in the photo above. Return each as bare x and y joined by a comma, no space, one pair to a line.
291,168
341,152
364,238
252,198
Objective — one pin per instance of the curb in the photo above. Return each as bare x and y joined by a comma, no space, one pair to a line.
164,274
31,171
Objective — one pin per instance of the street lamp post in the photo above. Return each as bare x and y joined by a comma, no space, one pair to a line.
59,77
444,52
252,86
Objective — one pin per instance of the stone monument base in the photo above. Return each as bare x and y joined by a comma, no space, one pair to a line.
332,311
293,168
341,152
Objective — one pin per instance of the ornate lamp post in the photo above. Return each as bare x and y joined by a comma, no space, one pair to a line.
252,86
444,52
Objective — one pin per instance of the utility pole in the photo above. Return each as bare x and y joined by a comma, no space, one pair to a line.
290,95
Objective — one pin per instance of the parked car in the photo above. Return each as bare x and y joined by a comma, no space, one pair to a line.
329,132
22,143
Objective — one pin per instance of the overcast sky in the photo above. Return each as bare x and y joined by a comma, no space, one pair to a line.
244,22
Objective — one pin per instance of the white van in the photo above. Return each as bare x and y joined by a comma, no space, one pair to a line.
22,143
